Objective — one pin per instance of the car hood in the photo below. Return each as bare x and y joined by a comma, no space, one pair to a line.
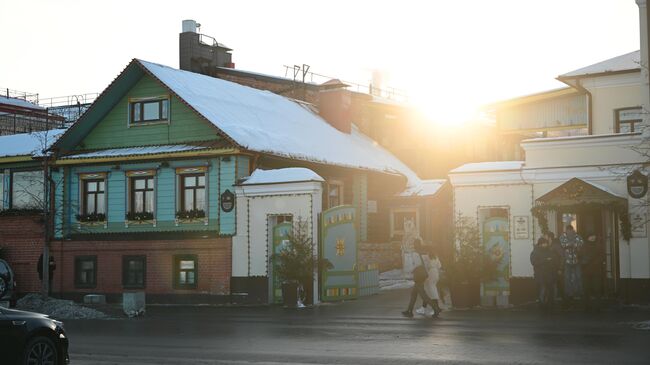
14,313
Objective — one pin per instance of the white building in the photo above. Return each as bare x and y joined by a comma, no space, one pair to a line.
575,174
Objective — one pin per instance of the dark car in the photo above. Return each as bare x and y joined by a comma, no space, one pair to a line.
31,338
7,283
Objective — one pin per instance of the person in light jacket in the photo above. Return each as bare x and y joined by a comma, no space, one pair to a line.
418,286
433,265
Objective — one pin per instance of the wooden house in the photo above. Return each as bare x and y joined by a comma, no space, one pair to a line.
145,180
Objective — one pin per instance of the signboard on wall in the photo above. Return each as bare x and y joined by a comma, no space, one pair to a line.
522,227
227,201
638,222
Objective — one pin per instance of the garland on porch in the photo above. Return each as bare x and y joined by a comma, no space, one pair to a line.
540,211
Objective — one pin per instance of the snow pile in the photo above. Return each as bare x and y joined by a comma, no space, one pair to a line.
645,325
394,279
291,174
57,308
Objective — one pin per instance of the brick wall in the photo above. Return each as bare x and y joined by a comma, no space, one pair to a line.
213,254
22,240
387,256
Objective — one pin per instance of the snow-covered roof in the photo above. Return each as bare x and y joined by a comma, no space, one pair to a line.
265,122
290,174
488,166
20,103
28,143
424,188
628,61
137,151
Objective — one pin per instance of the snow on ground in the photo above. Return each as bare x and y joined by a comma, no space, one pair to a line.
57,308
394,279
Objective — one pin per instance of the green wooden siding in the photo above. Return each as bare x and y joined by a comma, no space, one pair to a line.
165,201
59,182
360,201
113,130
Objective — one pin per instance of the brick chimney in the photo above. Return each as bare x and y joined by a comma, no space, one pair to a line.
335,106
201,53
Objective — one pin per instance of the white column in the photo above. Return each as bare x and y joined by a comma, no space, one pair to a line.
645,66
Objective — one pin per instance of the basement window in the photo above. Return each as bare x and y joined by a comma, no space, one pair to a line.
134,271
150,110
185,271
85,271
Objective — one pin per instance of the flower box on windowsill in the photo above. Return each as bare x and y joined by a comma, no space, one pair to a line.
191,216
93,219
139,218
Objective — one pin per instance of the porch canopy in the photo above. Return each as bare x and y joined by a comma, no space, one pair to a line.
579,195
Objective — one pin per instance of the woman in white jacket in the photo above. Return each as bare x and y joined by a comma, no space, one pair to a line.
433,266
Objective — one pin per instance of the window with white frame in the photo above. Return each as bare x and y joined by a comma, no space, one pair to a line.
192,192
148,110
27,190
141,195
93,196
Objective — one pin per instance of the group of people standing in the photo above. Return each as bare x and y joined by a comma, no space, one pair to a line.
569,266
425,277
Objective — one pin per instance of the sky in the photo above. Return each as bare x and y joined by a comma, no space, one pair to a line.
450,57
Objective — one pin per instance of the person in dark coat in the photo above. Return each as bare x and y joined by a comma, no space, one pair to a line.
546,262
52,267
592,258
418,287
534,260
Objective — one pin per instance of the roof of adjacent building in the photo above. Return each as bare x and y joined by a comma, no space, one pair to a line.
488,166
285,175
264,122
22,103
424,188
28,144
627,62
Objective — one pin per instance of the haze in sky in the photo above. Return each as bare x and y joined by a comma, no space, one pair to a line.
449,56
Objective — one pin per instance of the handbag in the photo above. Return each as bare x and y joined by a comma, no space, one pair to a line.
420,272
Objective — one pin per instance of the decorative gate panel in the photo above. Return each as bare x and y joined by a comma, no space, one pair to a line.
496,240
281,233
339,246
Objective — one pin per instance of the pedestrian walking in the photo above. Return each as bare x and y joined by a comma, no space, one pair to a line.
546,262
572,244
592,258
433,265
420,275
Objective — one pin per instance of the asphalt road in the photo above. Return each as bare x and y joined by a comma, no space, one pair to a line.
365,331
